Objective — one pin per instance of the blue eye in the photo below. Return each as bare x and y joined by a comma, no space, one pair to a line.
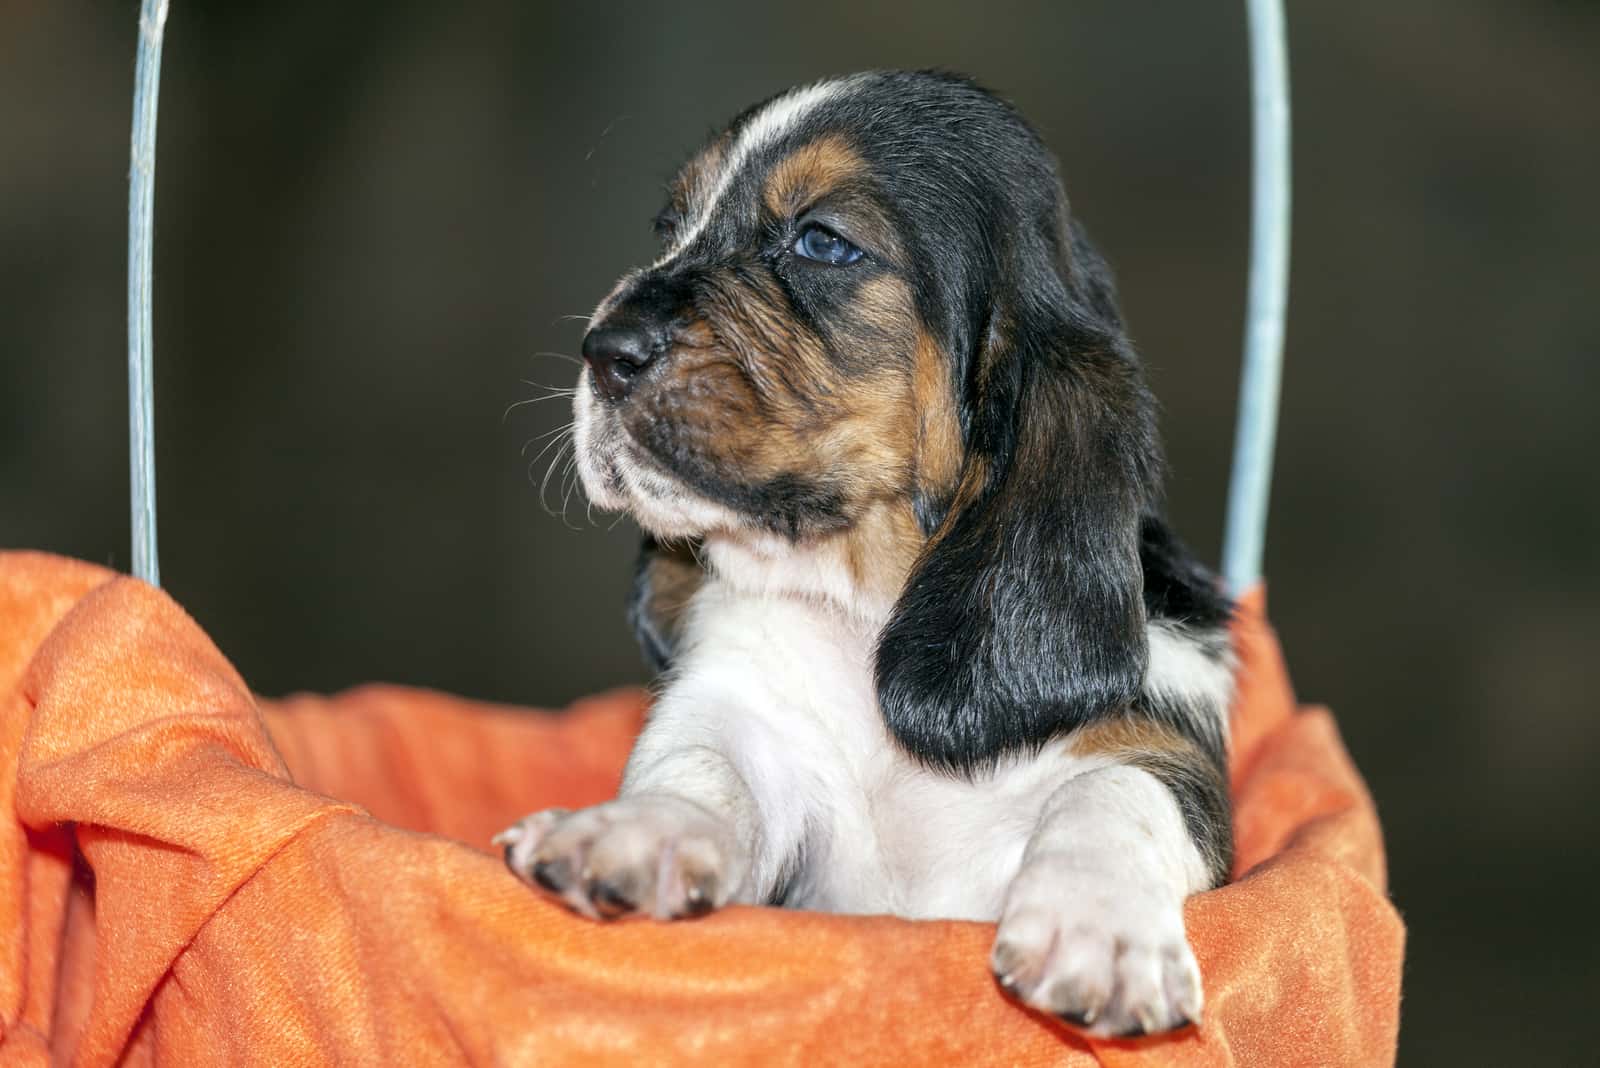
825,246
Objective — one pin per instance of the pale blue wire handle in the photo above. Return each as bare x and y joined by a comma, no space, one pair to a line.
1245,536
141,205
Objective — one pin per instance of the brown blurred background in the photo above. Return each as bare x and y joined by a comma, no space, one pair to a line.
371,218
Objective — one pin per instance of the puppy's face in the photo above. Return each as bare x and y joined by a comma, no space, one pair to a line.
775,369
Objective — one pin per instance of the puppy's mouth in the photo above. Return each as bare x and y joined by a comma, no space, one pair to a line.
620,475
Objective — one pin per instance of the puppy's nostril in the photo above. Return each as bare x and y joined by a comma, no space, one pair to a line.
620,344
616,354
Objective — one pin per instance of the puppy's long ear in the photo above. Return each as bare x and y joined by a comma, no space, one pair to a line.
1024,616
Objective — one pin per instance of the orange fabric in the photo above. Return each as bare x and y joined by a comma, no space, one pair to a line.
191,876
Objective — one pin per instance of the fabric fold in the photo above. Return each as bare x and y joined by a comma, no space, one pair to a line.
194,876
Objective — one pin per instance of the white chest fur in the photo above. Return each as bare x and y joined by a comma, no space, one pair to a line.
783,688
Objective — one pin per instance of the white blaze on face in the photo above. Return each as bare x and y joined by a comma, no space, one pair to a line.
765,127
614,476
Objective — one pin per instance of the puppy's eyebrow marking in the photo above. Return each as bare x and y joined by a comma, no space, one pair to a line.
811,171
762,129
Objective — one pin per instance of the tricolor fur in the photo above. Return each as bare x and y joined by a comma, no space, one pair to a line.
929,646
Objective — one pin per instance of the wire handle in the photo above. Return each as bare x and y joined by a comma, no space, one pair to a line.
141,210
1244,538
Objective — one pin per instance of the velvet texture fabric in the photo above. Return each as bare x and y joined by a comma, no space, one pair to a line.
190,875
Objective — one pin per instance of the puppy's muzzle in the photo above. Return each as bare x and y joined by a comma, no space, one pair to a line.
616,356
635,331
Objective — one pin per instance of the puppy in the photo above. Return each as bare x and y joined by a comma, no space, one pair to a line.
929,647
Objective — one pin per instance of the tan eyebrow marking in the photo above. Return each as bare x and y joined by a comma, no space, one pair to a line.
809,172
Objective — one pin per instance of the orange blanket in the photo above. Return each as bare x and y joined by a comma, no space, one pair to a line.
192,876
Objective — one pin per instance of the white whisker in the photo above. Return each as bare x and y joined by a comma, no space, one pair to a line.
561,356
567,488
603,134
535,461
545,482
557,395
541,437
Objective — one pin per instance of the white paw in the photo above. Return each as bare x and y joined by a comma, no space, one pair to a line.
1101,953
651,855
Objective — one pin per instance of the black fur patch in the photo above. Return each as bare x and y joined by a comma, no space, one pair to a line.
1176,585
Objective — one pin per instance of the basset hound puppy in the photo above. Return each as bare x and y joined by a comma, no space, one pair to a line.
928,646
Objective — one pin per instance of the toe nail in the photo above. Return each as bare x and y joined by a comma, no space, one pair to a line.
1002,957
696,901
610,900
699,894
553,875
1080,1017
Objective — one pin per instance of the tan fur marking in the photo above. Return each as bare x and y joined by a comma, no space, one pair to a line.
808,173
884,304
881,548
796,410
1132,737
939,451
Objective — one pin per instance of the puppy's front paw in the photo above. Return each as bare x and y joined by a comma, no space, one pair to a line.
652,855
1108,957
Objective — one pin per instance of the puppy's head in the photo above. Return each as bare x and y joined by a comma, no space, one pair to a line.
872,311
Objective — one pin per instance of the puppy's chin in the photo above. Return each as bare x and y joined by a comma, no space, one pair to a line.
594,447
618,476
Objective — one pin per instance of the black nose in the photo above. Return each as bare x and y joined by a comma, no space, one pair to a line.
616,355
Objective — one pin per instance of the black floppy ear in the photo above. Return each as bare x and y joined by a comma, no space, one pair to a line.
1024,616
664,579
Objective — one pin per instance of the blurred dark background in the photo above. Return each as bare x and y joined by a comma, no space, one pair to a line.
373,218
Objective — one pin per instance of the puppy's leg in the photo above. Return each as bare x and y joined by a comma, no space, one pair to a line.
676,842
1092,926
735,771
